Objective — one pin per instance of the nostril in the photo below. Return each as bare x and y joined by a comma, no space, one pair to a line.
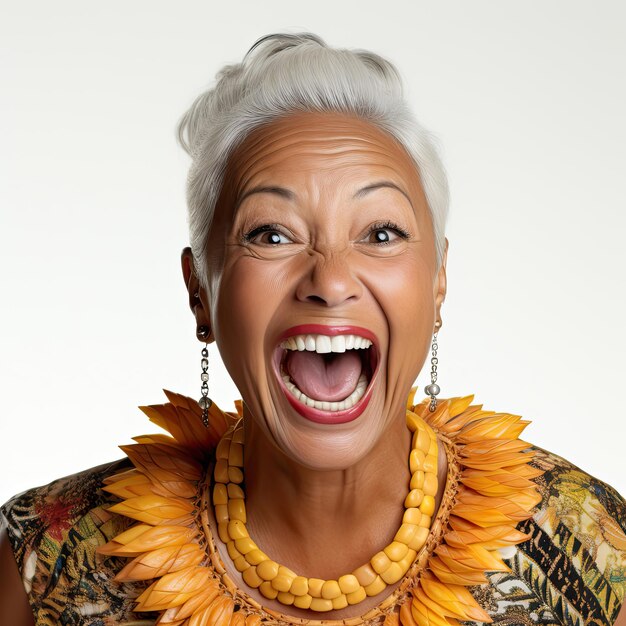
317,299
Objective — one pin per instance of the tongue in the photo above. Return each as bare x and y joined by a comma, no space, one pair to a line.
328,378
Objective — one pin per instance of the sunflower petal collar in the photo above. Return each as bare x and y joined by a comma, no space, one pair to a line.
489,490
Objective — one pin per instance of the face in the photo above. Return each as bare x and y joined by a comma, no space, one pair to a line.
323,282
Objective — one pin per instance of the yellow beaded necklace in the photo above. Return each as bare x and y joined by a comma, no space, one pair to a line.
277,582
489,490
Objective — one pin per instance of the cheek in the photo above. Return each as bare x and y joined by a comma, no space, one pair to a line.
248,297
406,297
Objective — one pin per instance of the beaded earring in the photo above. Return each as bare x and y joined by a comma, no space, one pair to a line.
204,401
433,389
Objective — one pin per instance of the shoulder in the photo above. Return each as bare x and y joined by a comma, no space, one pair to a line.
573,565
54,531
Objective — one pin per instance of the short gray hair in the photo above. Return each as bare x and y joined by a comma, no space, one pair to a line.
288,73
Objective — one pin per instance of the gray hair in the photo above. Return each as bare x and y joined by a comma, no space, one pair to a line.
284,74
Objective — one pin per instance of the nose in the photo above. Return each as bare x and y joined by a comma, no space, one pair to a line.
329,280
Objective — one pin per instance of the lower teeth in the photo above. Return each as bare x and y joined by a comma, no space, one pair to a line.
349,402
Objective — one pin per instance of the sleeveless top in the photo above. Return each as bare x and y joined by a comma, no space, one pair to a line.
571,571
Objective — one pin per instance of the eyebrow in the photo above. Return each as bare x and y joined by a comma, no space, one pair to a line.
279,191
384,184
290,195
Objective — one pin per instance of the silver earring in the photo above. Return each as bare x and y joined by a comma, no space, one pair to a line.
204,402
433,389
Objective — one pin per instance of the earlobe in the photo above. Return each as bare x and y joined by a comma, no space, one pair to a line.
196,297
441,285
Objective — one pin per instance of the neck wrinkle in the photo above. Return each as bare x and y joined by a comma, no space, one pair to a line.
299,516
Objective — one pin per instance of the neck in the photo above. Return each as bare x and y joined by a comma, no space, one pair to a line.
325,523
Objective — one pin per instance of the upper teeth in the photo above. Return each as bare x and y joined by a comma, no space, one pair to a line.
324,343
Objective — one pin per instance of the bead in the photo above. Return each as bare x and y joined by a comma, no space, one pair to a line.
413,421
433,449
365,575
251,578
281,582
255,557
421,534
405,533
241,564
321,604
235,475
303,601
220,495
299,586
348,583
267,590
412,516
221,452
430,463
421,440
407,561
416,460
356,596
237,509
432,389
425,522
204,377
221,513
393,573
417,480
220,472
235,454
235,491
238,435
428,506
205,403
376,587
267,569
285,597
380,562
431,485
414,498
204,363
245,545
315,587
237,530
222,531
331,590
233,553
341,602
396,551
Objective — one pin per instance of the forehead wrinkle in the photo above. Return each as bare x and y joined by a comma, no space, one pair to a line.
263,159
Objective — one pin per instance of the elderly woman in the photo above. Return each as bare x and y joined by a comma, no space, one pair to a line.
317,208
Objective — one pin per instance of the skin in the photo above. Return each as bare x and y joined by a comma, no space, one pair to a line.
341,177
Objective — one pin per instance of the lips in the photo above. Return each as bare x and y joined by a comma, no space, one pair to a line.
337,392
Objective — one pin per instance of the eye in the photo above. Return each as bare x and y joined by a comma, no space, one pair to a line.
268,235
386,233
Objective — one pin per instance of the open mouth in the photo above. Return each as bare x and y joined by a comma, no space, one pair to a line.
326,371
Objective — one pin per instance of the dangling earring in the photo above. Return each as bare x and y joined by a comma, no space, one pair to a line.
433,389
204,402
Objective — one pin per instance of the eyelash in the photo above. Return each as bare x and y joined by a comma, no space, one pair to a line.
250,235
388,226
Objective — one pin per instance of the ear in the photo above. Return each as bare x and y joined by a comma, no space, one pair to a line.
198,301
441,287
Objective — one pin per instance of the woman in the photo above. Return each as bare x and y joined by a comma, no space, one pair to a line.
318,265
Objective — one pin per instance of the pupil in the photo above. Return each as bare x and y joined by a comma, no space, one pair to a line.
382,235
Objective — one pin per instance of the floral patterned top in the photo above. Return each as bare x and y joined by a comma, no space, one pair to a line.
571,571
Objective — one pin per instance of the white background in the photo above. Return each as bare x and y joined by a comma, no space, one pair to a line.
527,99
